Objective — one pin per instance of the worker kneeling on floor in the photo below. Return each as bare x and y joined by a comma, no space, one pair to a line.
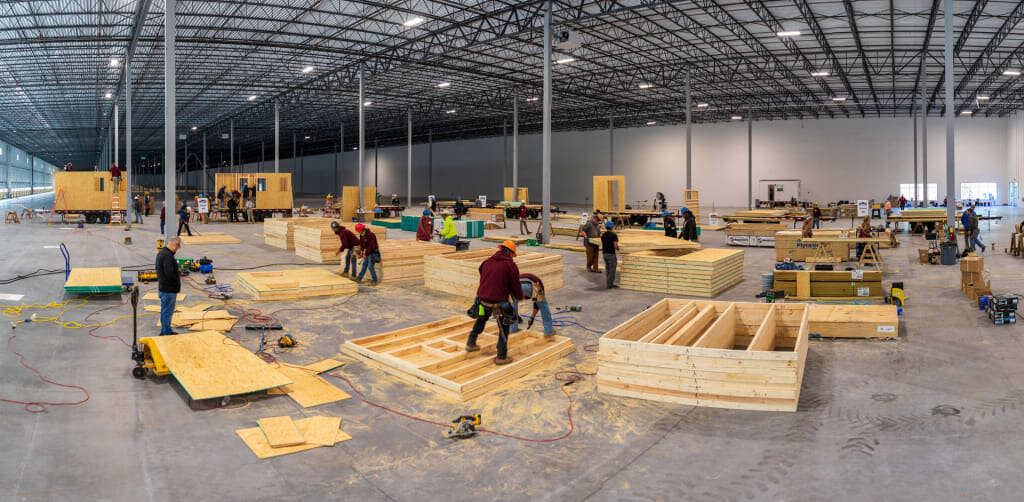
499,280
169,281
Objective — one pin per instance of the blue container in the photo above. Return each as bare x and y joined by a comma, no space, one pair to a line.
206,268
982,302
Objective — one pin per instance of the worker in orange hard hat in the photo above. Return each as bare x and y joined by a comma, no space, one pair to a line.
499,281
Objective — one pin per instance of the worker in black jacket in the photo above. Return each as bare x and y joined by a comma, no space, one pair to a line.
689,231
169,282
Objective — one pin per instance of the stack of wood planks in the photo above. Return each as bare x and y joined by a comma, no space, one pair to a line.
210,238
719,354
433,356
788,244
633,241
691,200
458,274
847,210
828,284
402,260
319,243
280,232
706,272
757,215
566,224
295,283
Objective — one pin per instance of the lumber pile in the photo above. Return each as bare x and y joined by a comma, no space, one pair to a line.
972,282
706,272
566,224
486,215
295,283
319,243
280,232
718,354
757,214
752,234
432,356
458,274
847,210
210,238
402,260
829,284
633,241
788,244
854,321
923,214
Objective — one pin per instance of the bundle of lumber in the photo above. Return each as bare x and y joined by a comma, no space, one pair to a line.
719,354
432,355
923,214
566,224
402,260
847,210
486,215
633,241
828,284
458,274
295,283
280,232
319,243
210,238
757,214
706,272
789,244
754,229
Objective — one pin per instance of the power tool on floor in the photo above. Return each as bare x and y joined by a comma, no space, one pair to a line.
147,276
896,296
464,427
286,342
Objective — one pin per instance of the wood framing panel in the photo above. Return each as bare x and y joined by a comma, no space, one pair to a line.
402,260
295,283
432,356
277,188
706,272
458,273
610,193
521,195
280,232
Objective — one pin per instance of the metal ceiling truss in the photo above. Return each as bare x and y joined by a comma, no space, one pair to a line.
630,65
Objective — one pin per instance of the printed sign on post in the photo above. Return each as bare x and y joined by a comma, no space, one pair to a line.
863,209
204,205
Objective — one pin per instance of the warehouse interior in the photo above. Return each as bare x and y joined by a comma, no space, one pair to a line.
757,250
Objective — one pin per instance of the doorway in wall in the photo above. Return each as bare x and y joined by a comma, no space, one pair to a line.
778,189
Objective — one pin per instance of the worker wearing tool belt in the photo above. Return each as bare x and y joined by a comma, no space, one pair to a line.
499,280
348,242
591,232
369,250
533,289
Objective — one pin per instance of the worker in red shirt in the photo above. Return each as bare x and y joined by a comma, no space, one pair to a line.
369,251
499,280
425,230
115,176
524,228
349,242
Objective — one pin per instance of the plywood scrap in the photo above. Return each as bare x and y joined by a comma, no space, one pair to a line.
324,366
432,355
153,296
210,238
209,365
257,442
196,307
309,390
295,283
221,325
458,273
280,431
322,431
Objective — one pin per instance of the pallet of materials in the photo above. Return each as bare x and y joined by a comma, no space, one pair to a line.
433,356
789,244
467,229
295,283
402,260
847,210
486,215
566,224
320,243
280,232
458,273
94,280
972,280
718,354
829,284
828,213
633,241
706,272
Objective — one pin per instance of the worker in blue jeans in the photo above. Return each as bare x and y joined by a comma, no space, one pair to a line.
169,283
533,289
370,251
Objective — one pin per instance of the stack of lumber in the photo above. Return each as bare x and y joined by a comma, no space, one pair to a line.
922,214
972,283
210,238
280,232
402,260
432,356
758,214
752,234
94,280
691,200
458,274
566,224
486,214
788,244
633,241
295,283
828,284
319,243
706,272
719,354
278,436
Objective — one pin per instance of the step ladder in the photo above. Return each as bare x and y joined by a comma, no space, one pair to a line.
58,200
115,208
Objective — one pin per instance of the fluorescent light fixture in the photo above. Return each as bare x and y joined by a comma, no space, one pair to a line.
194,128
367,103
839,99
308,69
702,105
108,95
651,122
444,84
535,98
982,98
819,73
449,111
413,21
115,62
966,112
736,117
646,86
252,98
565,60
1011,73
792,33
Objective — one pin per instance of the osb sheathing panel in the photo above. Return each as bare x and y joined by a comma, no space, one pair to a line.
278,194
210,238
280,431
93,277
80,190
308,389
257,442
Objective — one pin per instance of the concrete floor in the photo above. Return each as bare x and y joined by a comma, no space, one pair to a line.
933,415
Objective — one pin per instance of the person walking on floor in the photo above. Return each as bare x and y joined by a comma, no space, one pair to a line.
609,245
369,250
163,216
183,219
591,233
169,283
974,231
349,241
137,207
533,289
816,214
499,280
524,228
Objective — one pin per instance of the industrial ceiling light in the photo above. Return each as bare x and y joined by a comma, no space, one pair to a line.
194,128
819,73
252,98
413,21
449,111
1011,73
786,34
535,98
651,122
646,86
702,106
982,98
367,103
966,112
308,69
114,62
108,95
737,117
839,99
444,84
566,60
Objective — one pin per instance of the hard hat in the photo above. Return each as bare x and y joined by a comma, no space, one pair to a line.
360,227
334,224
426,212
666,213
609,224
509,245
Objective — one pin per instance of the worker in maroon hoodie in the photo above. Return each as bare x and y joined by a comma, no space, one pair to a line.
369,250
499,280
349,242
115,176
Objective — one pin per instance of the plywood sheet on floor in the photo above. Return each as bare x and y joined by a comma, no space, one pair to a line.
257,442
153,296
295,283
280,431
432,355
93,280
308,389
210,238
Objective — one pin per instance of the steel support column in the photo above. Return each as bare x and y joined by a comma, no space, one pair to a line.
408,168
170,121
127,171
277,138
950,118
750,160
689,175
545,229
362,136
515,144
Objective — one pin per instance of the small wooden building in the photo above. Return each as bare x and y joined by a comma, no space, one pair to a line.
89,193
273,190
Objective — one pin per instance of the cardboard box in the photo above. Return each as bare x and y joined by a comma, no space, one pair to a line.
972,264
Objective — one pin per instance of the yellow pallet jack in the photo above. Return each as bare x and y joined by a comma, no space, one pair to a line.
144,352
